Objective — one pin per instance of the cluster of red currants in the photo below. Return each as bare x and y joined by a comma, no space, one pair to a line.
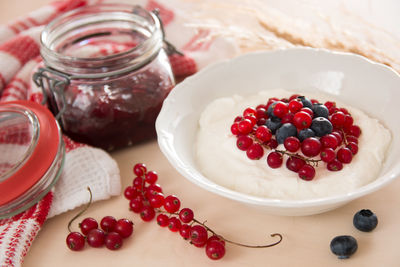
146,198
301,125
111,232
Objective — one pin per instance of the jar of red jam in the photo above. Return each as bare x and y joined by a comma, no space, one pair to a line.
106,73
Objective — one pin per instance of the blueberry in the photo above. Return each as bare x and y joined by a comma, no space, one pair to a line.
286,130
365,220
305,133
306,102
344,246
273,124
320,110
321,126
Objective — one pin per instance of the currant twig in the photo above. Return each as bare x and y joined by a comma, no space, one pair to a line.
296,155
82,211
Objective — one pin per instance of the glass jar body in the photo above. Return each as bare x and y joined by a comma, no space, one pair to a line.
116,75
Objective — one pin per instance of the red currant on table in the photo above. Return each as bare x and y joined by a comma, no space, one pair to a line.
124,228
95,238
186,215
172,204
75,241
151,177
185,231
139,169
215,250
113,241
162,220
108,223
147,213
88,224
174,224
156,200
198,235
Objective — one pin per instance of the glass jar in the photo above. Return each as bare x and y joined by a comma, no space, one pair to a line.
31,155
106,73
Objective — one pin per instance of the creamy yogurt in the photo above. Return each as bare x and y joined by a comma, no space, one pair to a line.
221,161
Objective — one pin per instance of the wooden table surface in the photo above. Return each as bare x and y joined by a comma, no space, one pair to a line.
306,239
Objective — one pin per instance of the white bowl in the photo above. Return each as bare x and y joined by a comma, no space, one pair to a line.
350,78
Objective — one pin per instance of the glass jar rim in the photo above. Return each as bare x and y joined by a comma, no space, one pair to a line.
144,52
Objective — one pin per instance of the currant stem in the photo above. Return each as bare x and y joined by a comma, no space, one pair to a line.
227,240
82,211
284,152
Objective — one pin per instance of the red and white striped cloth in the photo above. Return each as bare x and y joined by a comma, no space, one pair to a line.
84,165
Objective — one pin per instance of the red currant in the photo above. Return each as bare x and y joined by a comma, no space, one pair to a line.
139,169
255,151
294,163
198,235
263,133
327,154
354,130
138,183
252,119
75,241
186,215
147,213
156,200
295,105
238,118
274,160
113,241
136,205
311,147
339,136
171,204
249,112
280,109
162,220
348,121
217,238
353,147
124,228
174,224
352,139
307,172
245,126
151,177
185,231
261,113
154,188
130,192
329,141
307,110
235,128
344,155
215,250
243,142
108,223
337,119
330,104
88,224
302,120
95,238
335,165
292,143
273,143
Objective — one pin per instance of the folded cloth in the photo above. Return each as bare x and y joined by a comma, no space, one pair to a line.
84,166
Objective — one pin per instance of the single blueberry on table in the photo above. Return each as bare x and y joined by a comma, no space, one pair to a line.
305,133
273,124
306,102
365,220
286,130
344,246
321,126
320,110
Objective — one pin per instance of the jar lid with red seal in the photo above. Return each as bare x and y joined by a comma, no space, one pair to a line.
31,155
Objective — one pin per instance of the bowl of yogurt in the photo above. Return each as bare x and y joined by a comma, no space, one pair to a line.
193,127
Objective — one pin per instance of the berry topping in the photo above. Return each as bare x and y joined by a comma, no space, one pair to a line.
365,220
311,133
343,246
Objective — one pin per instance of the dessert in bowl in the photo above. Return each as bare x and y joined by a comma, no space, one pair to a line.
217,165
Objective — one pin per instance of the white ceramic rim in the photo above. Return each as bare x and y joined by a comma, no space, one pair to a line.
190,173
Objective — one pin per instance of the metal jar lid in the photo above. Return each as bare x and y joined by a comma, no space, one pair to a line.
31,155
